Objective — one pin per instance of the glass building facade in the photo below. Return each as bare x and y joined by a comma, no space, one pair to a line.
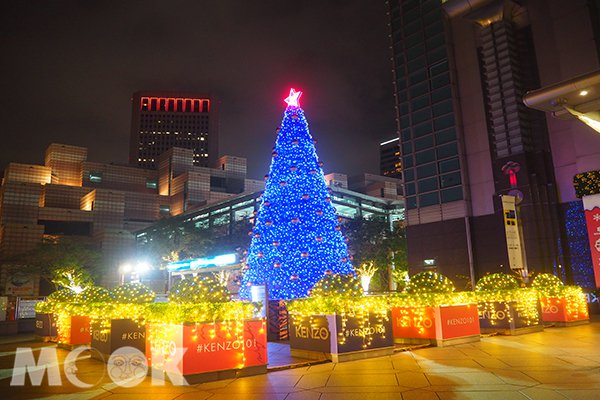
223,216
460,70
424,95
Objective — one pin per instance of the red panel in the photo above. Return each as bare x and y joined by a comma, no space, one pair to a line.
592,220
413,322
158,352
457,321
554,309
80,330
255,333
216,347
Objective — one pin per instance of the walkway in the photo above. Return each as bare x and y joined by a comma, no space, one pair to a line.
558,363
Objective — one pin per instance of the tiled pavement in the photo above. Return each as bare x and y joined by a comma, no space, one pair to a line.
558,363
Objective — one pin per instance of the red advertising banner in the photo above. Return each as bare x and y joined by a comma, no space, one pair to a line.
556,309
413,322
591,205
208,347
162,342
457,321
80,330
444,322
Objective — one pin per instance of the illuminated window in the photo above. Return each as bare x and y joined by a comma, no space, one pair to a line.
95,177
151,183
164,209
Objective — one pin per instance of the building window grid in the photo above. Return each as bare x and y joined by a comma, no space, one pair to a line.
435,102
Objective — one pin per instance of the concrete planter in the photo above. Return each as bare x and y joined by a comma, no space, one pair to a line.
45,326
121,333
339,339
507,318
440,325
214,351
79,332
558,311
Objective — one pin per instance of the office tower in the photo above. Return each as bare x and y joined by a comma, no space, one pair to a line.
461,69
390,162
161,120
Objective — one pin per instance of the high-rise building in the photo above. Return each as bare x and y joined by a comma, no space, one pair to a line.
390,162
461,69
161,120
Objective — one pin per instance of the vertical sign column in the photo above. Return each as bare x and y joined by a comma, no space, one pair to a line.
513,234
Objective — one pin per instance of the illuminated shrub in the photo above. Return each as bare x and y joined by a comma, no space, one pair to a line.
199,289
548,284
93,294
54,299
498,281
429,282
133,293
62,296
337,285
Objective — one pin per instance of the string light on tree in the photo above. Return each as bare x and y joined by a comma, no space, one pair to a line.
296,236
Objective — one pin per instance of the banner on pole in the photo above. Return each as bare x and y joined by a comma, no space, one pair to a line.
591,205
513,235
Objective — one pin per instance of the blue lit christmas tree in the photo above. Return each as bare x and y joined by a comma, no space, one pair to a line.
296,239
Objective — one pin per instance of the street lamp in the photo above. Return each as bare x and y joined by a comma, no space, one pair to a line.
139,268
135,270
124,269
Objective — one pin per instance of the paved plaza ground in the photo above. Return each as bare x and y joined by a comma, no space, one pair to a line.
559,363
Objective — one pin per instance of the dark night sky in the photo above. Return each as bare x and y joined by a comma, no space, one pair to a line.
69,68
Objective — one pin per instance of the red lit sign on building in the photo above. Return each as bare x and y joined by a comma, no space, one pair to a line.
175,104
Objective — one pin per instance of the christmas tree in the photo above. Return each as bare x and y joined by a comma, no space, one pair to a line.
296,239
